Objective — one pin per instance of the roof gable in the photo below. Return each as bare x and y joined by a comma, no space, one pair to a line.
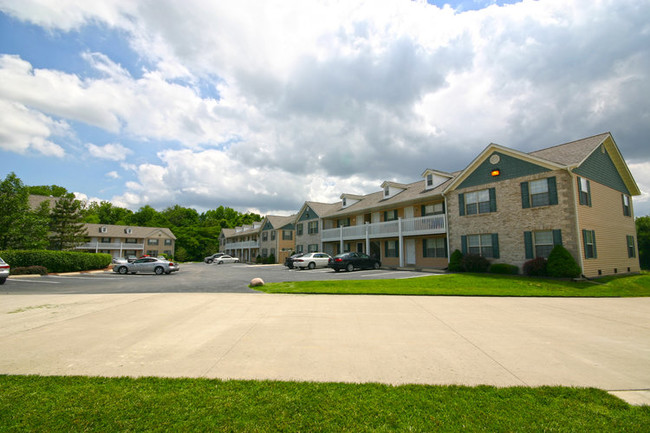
510,164
599,167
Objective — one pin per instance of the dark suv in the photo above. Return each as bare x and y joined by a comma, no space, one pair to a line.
352,261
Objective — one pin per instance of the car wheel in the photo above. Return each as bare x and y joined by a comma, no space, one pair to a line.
349,267
220,262
336,269
168,272
159,270
237,261
209,262
2,281
377,265
123,270
312,265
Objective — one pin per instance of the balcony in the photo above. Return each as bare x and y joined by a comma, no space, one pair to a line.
427,225
242,245
109,246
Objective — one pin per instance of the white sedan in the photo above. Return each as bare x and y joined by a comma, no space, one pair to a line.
226,259
312,260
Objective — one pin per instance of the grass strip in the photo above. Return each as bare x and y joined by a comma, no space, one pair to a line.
474,285
90,404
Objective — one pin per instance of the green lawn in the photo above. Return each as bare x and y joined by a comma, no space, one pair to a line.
474,285
69,404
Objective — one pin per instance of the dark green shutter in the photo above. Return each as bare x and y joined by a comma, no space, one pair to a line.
424,248
385,215
557,237
593,236
584,242
623,203
422,210
443,207
528,245
588,193
463,244
461,204
525,197
552,190
493,200
495,245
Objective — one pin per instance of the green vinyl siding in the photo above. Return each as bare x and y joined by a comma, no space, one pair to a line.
510,168
308,214
600,168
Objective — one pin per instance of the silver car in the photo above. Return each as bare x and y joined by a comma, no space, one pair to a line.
146,264
225,258
4,271
312,260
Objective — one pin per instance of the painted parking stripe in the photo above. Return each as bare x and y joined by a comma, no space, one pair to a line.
32,280
82,278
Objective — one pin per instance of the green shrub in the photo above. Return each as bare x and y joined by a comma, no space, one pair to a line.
456,261
258,259
561,264
56,261
29,270
270,259
535,267
475,263
504,268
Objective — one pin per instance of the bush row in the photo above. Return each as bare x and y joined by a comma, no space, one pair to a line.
56,261
560,264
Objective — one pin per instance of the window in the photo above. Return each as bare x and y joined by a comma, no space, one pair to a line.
433,209
391,248
168,241
584,189
167,252
434,247
128,231
287,235
273,252
589,241
542,192
106,240
299,230
345,202
273,235
312,227
631,250
265,252
390,215
152,241
540,243
312,248
486,245
477,202
265,237
130,241
152,252
344,222
103,229
429,179
626,205
386,191
299,249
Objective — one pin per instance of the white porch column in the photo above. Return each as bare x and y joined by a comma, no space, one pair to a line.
400,243
367,238
341,239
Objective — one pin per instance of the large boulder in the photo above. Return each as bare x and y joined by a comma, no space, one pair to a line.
256,282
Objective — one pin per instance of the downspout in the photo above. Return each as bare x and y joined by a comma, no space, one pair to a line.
575,208
400,248
447,229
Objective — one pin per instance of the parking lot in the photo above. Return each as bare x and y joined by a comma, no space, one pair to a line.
192,278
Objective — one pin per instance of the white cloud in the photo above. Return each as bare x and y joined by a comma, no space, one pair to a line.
113,175
320,97
112,151
24,131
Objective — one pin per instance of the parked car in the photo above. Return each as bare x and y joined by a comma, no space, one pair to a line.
288,262
118,260
225,258
147,264
211,258
312,260
131,259
352,261
4,271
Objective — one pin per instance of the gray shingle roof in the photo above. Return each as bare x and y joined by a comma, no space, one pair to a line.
571,153
113,231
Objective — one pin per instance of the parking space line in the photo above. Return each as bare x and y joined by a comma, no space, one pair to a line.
32,280
99,277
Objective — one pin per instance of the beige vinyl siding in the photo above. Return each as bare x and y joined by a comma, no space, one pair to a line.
605,217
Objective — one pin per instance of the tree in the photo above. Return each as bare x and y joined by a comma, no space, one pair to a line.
106,213
49,190
66,224
561,264
643,240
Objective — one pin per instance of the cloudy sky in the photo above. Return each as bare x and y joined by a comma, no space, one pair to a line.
263,105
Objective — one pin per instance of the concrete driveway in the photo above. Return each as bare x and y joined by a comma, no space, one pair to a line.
603,343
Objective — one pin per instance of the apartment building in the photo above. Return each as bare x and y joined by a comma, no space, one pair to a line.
242,242
277,237
511,206
124,241
309,225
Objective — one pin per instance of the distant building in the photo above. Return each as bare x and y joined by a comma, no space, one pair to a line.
124,241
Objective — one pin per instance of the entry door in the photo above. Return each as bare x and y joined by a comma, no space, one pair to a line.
410,251
408,212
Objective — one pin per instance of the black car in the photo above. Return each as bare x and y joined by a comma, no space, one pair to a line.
352,261
288,262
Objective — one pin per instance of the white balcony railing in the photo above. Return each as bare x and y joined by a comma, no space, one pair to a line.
242,245
427,225
109,246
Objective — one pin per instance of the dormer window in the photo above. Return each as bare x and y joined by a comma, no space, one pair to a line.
128,230
345,202
102,230
429,180
386,191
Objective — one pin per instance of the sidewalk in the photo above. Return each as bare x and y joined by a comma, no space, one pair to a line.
603,343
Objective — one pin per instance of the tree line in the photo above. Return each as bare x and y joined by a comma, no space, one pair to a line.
60,227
